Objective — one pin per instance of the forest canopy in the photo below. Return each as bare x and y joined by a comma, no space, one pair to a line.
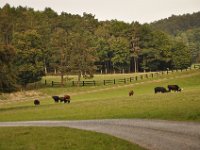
34,43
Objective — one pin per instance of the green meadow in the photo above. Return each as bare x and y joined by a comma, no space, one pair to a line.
112,101
40,138
99,102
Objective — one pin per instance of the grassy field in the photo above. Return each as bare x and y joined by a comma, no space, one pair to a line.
99,102
40,138
114,102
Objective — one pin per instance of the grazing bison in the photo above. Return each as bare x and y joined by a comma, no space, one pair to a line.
160,90
131,93
56,98
63,99
175,88
67,98
36,102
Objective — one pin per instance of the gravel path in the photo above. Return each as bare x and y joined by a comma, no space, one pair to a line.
150,134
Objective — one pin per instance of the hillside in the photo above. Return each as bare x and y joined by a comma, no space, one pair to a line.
176,24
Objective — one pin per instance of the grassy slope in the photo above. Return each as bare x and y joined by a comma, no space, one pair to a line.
115,103
40,138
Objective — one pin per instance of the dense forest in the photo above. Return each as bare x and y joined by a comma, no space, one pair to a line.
35,43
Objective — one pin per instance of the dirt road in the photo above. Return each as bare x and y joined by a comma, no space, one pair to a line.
150,134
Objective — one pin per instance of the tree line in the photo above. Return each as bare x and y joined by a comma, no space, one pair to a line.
34,43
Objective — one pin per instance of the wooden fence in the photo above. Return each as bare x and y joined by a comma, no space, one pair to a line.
116,81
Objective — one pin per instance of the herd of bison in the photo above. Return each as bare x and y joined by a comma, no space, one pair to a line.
66,98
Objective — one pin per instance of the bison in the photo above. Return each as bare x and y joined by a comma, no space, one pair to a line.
36,102
56,98
131,93
175,88
160,90
65,99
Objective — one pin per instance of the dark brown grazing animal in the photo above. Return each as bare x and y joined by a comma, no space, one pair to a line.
131,93
63,99
160,90
175,88
66,98
56,98
36,102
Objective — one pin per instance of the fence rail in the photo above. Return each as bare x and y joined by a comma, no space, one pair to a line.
117,81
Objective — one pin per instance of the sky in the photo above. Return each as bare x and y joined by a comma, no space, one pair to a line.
143,11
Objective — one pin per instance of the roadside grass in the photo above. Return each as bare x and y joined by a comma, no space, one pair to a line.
59,138
114,102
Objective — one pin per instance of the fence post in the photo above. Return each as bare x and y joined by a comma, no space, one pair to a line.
52,83
152,75
94,82
45,82
136,78
147,76
83,83
73,83
130,79
104,82
124,80
157,74
114,81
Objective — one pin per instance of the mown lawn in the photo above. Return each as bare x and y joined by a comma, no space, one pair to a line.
60,138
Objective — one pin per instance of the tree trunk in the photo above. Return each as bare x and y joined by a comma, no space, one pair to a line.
62,78
79,78
135,64
45,70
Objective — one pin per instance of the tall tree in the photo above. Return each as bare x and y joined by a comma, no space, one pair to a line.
120,48
103,49
181,57
83,54
29,56
7,51
134,45
7,70
61,51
